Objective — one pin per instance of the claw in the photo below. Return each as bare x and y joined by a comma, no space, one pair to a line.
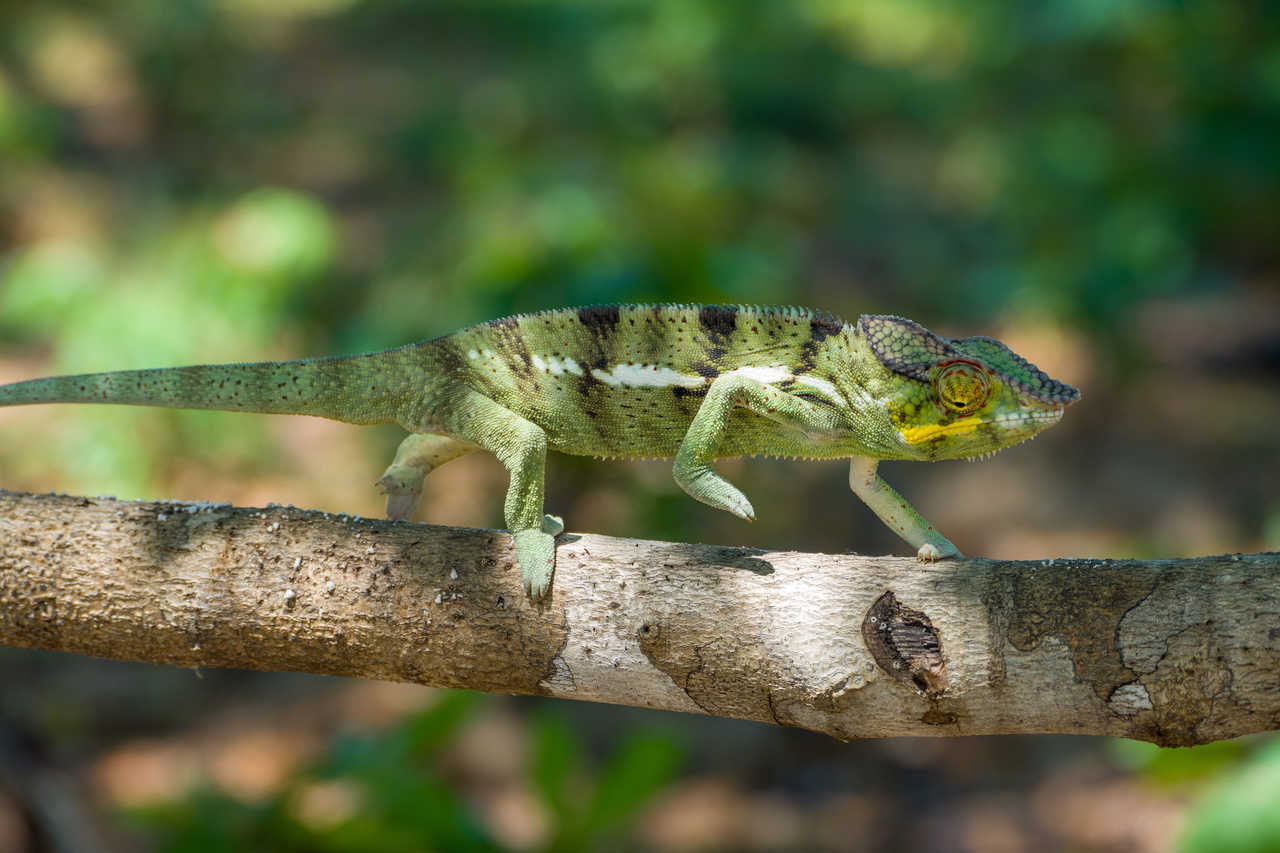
930,552
704,484
536,555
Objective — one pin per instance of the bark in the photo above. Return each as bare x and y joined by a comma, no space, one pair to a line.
1177,652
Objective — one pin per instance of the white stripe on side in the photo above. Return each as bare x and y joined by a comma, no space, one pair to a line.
647,376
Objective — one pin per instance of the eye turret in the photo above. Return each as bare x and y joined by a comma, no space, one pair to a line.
962,386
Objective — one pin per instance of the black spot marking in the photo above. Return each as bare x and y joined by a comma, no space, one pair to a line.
600,319
808,356
706,369
586,383
452,361
824,326
511,348
719,322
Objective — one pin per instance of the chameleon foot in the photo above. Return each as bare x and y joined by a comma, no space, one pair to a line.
401,507
536,554
403,486
552,524
929,552
418,455
706,485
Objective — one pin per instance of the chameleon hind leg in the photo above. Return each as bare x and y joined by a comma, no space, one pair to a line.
521,446
701,444
417,456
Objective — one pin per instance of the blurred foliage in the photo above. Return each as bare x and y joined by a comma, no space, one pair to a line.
506,155
1241,813
389,792
586,814
212,180
1237,787
1173,766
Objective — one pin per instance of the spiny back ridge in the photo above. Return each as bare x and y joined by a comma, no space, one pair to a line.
788,311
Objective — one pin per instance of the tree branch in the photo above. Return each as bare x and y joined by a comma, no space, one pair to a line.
1171,651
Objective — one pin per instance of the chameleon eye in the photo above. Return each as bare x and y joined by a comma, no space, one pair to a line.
962,386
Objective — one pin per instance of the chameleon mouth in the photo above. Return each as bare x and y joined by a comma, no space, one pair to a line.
1039,419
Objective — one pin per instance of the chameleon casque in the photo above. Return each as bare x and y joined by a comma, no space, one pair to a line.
692,382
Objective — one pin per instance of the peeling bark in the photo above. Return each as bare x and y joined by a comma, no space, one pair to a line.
1176,652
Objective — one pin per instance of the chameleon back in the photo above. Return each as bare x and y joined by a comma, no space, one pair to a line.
627,380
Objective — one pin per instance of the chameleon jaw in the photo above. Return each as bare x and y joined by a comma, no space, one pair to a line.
917,435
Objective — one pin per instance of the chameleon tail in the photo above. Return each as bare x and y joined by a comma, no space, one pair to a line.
362,389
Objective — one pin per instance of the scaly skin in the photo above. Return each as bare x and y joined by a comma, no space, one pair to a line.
697,383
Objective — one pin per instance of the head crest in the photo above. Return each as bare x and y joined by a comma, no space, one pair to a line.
904,346
1016,370
910,349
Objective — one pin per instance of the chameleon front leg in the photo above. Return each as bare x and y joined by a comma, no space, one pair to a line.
894,511
693,471
521,446
417,456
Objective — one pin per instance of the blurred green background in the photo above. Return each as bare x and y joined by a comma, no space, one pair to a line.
1097,184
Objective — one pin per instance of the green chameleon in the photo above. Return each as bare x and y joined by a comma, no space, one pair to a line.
692,382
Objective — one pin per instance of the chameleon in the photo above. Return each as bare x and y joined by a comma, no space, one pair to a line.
691,382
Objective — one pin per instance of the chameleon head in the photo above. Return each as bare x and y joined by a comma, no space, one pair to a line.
959,397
